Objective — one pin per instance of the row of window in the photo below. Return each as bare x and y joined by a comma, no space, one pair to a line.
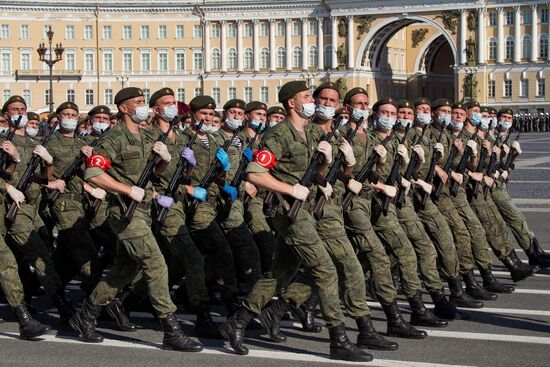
526,17
507,86
526,45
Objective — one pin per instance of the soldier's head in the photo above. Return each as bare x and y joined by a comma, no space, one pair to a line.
484,124
384,114
297,100
441,111
68,112
4,124
131,105
114,120
492,118
356,102
216,121
327,100
405,113
422,111
505,117
275,115
458,116
33,124
234,111
99,117
256,114
473,112
14,108
203,109
343,114
164,105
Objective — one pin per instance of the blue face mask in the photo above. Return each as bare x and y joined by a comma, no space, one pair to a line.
385,122
456,126
444,119
424,118
505,125
476,118
255,123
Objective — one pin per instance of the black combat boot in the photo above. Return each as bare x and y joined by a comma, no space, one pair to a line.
459,298
84,322
233,330
397,326
64,307
174,338
518,270
305,314
443,308
537,256
341,348
396,278
29,328
421,316
474,289
492,284
115,309
205,327
368,337
270,318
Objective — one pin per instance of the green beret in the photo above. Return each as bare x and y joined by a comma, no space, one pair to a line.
290,89
492,111
255,105
32,116
276,109
506,110
326,85
340,111
216,113
99,109
11,100
160,93
460,106
352,92
405,103
66,106
420,101
484,109
127,93
114,116
471,104
202,102
383,101
237,103
441,102
52,116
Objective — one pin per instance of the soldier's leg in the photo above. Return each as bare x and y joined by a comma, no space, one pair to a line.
263,236
103,236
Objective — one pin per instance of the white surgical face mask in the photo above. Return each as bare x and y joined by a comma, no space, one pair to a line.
424,118
31,132
170,112
3,130
343,122
209,129
325,112
100,127
23,121
505,125
232,123
255,123
404,123
385,122
476,118
142,112
69,124
484,124
181,128
357,113
444,119
455,125
273,123
308,110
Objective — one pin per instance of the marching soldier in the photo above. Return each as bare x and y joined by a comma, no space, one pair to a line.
275,115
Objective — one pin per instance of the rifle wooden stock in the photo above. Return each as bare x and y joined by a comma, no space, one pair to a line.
394,175
5,175
411,168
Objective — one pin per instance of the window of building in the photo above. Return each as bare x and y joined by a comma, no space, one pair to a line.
47,97
127,32
5,31
507,88
264,94
180,61
70,95
216,95
526,47
163,33
179,31
543,18
88,32
198,91
328,56
248,58
248,29
24,31
297,28
509,47
216,59
197,31
541,87
25,61
146,95
492,48
232,30
215,30
543,46
281,26
526,16
491,89
312,28
492,19
181,94
88,62
197,60
6,61
70,61
69,32
247,94
108,96
264,29
145,61
297,57
232,93
281,58
509,18
232,59
6,94
163,61
264,58
313,57
107,32
108,62
524,88
144,32
27,96
127,61
89,96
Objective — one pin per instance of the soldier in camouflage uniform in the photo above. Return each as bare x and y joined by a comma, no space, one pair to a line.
275,115
124,153
287,151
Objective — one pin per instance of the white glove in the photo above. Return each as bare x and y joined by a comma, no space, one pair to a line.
162,151
354,186
517,146
420,153
496,175
300,192
439,148
40,151
87,151
327,190
99,194
504,175
405,185
382,153
424,186
390,191
506,148
137,194
473,146
404,153
17,196
56,185
346,148
325,148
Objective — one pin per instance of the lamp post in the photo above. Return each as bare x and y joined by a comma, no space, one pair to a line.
123,79
308,77
50,61
471,72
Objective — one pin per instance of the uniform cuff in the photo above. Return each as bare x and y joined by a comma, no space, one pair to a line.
254,167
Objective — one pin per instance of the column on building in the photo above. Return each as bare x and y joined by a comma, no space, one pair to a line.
351,54
320,44
206,51
517,34
534,34
240,67
481,36
288,43
462,36
334,42
500,36
548,52
256,44
305,52
272,48
223,52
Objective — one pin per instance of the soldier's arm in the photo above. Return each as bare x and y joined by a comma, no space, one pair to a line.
268,182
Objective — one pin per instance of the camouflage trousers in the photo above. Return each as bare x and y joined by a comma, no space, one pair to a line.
261,231
103,236
9,276
369,247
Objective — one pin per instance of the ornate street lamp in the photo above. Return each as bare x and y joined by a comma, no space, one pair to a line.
50,61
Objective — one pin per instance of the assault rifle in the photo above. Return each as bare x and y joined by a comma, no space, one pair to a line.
5,175
411,167
29,176
438,184
334,171
492,166
511,158
462,165
175,181
394,174
148,171
436,156
366,171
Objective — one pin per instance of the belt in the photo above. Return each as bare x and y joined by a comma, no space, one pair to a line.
71,196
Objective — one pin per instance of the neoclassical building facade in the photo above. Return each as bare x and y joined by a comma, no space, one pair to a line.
495,51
